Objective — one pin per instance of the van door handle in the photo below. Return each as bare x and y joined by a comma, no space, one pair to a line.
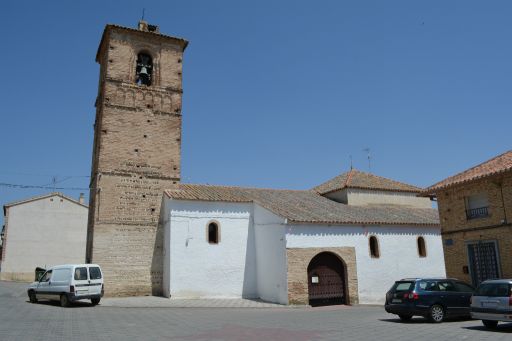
49,282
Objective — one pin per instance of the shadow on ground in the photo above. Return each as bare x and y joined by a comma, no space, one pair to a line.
56,304
501,328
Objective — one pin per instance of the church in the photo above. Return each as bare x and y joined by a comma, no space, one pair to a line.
344,241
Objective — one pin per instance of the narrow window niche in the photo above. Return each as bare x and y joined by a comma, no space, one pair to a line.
422,250
374,247
213,233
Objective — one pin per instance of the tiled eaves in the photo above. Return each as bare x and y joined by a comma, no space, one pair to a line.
496,166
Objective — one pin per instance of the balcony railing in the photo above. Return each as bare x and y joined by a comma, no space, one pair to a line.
480,212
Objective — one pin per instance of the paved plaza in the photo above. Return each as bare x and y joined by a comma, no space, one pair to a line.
152,318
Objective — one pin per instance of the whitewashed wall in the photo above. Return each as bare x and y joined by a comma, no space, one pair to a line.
358,197
270,256
202,270
398,253
42,233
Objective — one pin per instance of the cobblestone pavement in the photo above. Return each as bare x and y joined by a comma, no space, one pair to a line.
162,302
21,320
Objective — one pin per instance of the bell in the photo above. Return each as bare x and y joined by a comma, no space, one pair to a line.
144,75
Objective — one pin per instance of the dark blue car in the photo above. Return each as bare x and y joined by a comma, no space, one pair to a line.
433,298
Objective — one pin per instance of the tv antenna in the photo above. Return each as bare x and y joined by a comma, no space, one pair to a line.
143,12
367,150
351,163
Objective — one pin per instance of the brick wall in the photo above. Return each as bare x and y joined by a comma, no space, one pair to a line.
458,230
298,261
136,155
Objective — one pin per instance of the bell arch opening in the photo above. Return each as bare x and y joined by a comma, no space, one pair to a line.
144,69
327,280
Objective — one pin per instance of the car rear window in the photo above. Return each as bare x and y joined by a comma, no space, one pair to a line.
403,286
81,274
95,272
494,290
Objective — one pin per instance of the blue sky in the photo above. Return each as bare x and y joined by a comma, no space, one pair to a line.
276,93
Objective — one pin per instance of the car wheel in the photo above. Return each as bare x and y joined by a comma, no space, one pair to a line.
436,314
32,297
490,324
64,300
405,317
95,301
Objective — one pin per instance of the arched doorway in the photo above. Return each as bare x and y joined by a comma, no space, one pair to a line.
326,280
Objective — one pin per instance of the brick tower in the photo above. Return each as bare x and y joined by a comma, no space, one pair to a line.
136,154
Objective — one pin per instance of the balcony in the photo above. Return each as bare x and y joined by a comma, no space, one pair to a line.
474,213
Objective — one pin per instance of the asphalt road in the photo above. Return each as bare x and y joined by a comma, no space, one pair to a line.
21,320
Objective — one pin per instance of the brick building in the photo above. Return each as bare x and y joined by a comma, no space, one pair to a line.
475,207
136,154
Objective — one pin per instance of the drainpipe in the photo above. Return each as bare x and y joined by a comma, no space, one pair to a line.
503,203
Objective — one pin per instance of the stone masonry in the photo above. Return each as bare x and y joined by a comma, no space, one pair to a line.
458,230
298,261
136,155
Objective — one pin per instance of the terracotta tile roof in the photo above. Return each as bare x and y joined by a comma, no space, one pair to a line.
308,206
497,165
362,180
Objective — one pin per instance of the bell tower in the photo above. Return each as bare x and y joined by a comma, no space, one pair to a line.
136,154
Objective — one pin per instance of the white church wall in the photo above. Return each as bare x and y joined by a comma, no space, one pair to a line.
270,256
164,222
200,269
398,259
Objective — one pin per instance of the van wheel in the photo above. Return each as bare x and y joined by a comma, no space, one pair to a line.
436,313
32,297
490,324
95,301
64,300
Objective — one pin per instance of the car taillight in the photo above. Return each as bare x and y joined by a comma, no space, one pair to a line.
411,295
71,288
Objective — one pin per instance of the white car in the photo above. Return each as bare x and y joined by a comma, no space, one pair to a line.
492,302
68,283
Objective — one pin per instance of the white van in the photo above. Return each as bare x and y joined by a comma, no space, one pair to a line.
68,283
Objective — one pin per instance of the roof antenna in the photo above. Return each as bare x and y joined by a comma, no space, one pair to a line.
351,164
367,150
143,12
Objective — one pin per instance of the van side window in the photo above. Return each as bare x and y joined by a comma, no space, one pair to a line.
81,274
94,272
61,275
46,277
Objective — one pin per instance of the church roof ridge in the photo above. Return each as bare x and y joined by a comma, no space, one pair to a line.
363,180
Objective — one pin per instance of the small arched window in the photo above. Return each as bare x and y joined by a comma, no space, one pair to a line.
144,69
422,250
374,247
213,233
